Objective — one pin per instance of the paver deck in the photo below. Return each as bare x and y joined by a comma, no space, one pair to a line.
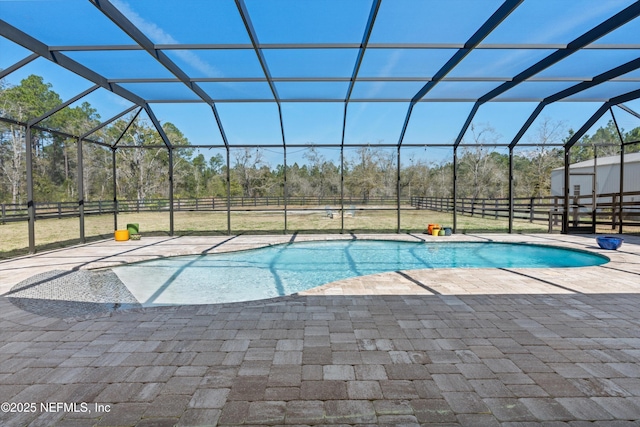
475,347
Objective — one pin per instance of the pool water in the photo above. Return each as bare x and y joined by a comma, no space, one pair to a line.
289,268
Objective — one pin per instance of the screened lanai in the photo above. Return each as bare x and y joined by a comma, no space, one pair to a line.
253,116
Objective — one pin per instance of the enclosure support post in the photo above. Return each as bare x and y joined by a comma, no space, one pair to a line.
31,208
115,189
594,187
341,189
455,189
398,189
284,189
565,213
511,207
81,190
228,192
170,190
621,203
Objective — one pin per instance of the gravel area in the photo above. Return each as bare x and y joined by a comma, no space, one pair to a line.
65,294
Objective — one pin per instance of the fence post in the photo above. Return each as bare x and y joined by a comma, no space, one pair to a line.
138,205
483,206
4,213
614,203
496,209
531,209
213,203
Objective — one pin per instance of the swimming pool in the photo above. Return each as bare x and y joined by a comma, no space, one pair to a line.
289,268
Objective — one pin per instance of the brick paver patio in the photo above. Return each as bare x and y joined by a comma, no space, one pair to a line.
476,347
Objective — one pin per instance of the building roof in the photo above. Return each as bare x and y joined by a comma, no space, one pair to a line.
606,161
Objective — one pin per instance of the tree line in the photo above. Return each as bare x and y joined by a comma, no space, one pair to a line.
142,165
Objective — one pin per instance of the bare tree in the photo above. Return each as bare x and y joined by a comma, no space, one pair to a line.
247,170
479,172
362,177
12,159
142,170
324,176
534,178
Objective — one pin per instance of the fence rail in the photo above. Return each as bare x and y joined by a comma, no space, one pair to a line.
610,209
47,210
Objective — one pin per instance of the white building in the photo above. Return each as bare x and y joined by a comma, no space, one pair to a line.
604,172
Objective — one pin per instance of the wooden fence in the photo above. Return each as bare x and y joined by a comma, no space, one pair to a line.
609,208
46,210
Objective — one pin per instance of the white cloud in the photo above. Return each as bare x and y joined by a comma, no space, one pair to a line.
160,36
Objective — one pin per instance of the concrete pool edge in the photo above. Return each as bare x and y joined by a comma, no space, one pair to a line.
450,283
377,238
297,267
107,253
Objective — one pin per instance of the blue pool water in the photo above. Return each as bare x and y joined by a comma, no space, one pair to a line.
289,268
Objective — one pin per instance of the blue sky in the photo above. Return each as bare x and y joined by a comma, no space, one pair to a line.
73,22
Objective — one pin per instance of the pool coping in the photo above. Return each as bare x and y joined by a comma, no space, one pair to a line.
108,253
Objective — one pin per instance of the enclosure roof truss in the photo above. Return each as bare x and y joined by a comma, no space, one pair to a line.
266,46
